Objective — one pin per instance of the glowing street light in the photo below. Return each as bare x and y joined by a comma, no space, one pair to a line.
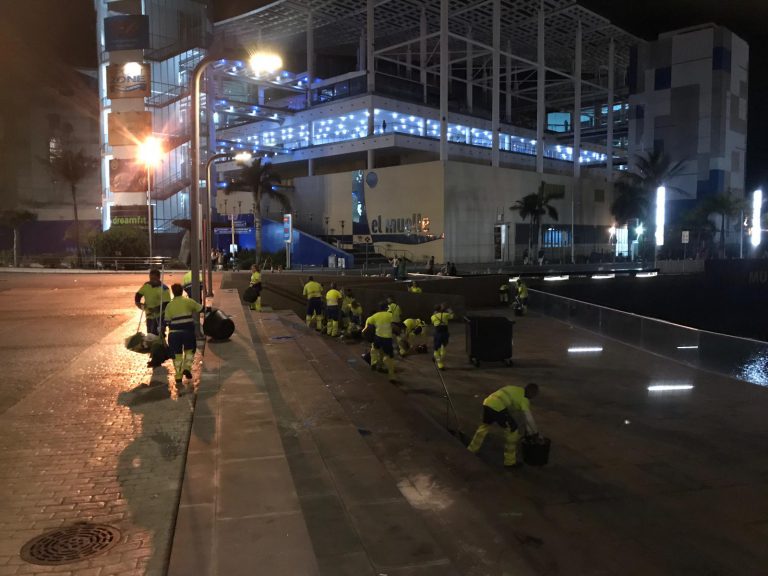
757,205
265,63
194,196
150,152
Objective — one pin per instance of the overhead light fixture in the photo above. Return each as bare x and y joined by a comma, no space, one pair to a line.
646,274
757,205
661,211
603,276
687,347
669,387
556,278
584,349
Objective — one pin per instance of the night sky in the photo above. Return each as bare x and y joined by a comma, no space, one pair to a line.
67,28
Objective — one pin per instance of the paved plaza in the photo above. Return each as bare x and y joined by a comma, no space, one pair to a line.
295,458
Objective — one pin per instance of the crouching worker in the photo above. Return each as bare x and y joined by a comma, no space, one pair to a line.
180,318
382,350
412,328
498,409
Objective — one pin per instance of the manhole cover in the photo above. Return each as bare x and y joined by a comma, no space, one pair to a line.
70,544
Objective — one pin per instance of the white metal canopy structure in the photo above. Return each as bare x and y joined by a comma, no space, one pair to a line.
508,62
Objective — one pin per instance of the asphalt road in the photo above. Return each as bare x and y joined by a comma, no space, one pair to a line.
48,319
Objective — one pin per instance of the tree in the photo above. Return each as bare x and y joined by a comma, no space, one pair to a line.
14,219
72,167
636,188
725,206
536,206
259,177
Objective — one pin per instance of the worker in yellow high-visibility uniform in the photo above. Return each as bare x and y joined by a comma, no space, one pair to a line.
355,318
314,294
504,292
332,310
498,409
414,288
382,350
440,320
156,295
187,282
180,318
412,328
256,284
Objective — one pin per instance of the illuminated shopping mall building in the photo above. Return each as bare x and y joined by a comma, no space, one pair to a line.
419,124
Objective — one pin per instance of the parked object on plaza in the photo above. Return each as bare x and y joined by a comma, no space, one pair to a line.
250,295
218,325
536,450
489,339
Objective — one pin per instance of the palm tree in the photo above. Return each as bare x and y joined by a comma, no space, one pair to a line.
72,167
14,219
725,206
537,205
262,180
636,188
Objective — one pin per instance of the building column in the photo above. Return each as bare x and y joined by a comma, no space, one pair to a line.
311,167
310,57
445,70
576,125
470,70
408,61
576,119
369,160
509,83
423,52
541,86
369,44
496,95
609,137
361,52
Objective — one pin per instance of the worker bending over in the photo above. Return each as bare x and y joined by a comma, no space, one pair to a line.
498,409
314,294
412,328
382,350
440,320
156,295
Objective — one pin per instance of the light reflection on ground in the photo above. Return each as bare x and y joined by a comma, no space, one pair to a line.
755,370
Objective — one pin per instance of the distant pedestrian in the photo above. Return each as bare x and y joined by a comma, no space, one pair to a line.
452,269
431,265
498,409
395,262
156,295
180,318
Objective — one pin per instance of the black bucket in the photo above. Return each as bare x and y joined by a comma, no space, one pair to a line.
536,451
218,325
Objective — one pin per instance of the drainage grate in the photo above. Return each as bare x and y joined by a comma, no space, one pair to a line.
70,544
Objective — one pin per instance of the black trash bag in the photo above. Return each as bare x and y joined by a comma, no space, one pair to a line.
218,325
369,332
536,450
251,294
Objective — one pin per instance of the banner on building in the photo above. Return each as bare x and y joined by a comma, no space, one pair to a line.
129,215
129,128
127,176
128,80
130,32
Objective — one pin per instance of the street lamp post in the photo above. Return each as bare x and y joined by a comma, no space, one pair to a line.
260,63
149,153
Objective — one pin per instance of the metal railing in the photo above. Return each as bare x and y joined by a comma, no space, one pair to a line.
732,356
